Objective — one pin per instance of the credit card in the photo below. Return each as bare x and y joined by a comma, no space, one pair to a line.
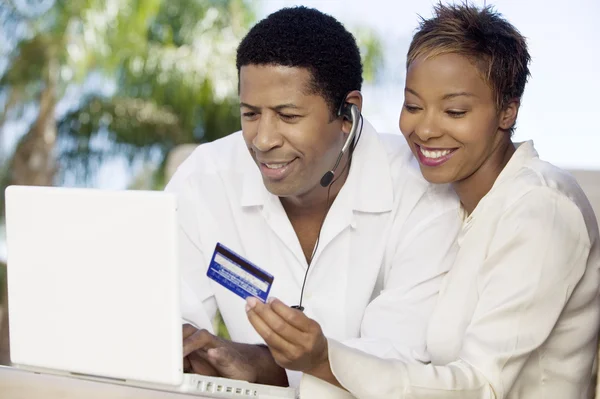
238,275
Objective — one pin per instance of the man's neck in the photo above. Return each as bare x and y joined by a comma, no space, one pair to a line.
315,202
307,214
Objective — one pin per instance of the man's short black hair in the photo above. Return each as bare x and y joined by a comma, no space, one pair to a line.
306,38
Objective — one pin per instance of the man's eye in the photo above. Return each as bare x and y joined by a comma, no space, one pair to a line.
289,117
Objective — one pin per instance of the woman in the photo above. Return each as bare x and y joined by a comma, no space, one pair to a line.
517,316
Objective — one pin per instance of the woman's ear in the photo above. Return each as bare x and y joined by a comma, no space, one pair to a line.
508,116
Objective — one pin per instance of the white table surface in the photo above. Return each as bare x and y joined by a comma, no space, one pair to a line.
21,384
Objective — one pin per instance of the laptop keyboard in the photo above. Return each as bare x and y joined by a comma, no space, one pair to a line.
233,389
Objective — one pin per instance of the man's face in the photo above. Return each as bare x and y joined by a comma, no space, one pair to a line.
288,130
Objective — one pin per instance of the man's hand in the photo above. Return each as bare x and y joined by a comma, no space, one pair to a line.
296,341
206,354
193,363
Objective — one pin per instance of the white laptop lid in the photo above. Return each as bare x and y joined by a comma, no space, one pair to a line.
93,282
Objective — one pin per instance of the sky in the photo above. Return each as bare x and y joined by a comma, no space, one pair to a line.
560,111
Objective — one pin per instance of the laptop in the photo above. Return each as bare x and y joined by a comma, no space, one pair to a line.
93,290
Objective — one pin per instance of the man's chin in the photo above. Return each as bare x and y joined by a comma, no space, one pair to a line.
278,188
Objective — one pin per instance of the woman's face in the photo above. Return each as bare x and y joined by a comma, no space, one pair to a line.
450,118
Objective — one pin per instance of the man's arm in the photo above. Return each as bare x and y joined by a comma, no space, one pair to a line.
252,363
295,341
204,353
198,304
267,370
395,323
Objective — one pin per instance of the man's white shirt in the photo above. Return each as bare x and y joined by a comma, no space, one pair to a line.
385,245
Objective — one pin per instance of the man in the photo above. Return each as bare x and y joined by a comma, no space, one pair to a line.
363,250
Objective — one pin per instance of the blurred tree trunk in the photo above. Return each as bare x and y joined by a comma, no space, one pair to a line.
33,161
4,347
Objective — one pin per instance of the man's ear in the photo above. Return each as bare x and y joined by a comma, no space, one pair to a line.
354,97
508,116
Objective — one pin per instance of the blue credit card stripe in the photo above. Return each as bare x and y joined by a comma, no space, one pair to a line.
244,264
238,271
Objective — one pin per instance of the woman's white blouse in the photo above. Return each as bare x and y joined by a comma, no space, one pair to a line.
518,314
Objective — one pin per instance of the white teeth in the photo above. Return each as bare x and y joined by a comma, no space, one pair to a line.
434,154
276,165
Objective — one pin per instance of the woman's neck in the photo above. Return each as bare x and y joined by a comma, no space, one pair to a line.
473,188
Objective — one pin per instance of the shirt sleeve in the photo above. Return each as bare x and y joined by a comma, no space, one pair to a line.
538,256
395,322
198,303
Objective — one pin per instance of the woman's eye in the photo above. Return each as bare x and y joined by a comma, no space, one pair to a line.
411,108
455,114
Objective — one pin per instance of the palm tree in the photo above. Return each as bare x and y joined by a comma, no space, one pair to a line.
181,89
165,58
148,50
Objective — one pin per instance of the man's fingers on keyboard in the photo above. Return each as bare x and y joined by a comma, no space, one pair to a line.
202,366
187,366
201,339
188,330
220,356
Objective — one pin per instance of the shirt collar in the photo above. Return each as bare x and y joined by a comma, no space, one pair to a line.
524,153
369,182
370,175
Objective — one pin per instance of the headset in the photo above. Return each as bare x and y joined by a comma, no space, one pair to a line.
347,111
350,112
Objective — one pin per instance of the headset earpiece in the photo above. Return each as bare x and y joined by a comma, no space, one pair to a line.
345,110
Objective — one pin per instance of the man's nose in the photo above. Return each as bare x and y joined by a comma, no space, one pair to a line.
267,135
